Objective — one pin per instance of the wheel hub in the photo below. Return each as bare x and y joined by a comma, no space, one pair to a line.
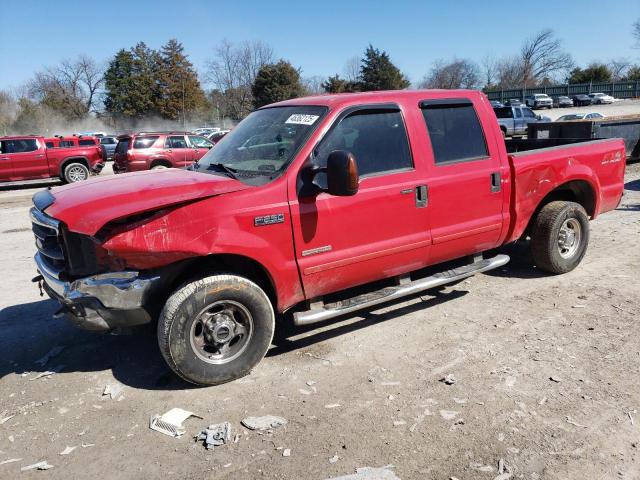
569,238
222,330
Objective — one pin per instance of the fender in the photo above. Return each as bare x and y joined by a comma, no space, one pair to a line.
66,160
533,182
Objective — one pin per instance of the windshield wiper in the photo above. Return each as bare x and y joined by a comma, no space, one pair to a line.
221,167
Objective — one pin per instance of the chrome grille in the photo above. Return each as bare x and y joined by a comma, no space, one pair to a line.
48,240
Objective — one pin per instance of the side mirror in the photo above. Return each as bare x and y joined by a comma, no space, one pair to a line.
342,174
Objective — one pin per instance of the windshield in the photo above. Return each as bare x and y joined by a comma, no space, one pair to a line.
264,143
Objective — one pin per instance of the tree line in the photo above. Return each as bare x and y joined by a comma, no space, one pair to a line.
140,83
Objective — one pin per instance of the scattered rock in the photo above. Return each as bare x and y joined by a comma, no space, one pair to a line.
113,390
6,419
555,379
397,423
265,422
286,452
48,373
334,459
311,382
11,460
449,379
369,473
332,405
304,392
67,450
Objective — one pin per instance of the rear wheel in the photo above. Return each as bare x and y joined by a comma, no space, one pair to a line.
216,329
75,172
560,236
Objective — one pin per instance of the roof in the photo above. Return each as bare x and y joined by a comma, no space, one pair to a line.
20,137
384,96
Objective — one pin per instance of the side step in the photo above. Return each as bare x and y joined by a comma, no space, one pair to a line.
391,293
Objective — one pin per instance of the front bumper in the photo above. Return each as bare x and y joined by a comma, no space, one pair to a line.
101,302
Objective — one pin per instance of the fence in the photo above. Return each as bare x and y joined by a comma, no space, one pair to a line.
615,89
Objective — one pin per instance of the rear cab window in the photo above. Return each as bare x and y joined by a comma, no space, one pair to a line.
144,142
22,145
454,130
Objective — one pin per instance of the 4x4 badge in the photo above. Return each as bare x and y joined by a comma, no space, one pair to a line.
268,220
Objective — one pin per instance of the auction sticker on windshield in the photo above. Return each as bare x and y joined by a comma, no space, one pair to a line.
300,119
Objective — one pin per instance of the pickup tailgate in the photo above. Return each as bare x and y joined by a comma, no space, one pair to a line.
596,167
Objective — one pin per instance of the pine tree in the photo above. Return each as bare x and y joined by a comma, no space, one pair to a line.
379,73
179,89
276,82
336,84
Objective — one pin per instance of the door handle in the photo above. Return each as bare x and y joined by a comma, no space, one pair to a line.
39,156
4,158
496,182
422,196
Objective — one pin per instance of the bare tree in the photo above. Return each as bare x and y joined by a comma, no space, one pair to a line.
510,72
542,57
70,88
313,85
619,68
489,67
352,69
232,72
454,74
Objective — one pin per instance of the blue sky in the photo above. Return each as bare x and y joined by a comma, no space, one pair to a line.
319,37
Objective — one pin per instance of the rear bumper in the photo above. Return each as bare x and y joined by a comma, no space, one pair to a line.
97,168
101,302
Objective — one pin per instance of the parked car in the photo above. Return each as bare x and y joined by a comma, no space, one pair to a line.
28,158
496,104
109,143
157,150
215,137
513,102
562,102
579,116
600,98
539,100
581,100
331,198
60,141
206,131
515,120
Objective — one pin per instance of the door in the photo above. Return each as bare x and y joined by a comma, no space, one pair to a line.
199,146
381,231
528,117
177,151
465,181
28,159
518,122
6,168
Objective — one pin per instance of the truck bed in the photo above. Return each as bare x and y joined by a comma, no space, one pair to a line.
576,167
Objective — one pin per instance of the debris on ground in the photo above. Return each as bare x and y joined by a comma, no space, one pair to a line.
113,390
369,473
332,405
555,379
67,450
448,414
265,422
54,352
398,423
448,379
170,423
286,452
311,382
215,435
575,424
11,460
334,459
48,373
6,419
37,466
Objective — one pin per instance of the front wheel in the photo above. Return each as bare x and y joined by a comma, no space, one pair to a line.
560,236
216,329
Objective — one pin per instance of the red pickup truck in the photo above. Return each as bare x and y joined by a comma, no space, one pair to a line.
29,158
301,203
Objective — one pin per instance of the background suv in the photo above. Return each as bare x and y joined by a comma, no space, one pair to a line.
539,100
155,150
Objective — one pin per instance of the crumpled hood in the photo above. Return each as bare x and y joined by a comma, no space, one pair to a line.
85,207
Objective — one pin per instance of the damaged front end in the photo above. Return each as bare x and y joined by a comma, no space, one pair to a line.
70,273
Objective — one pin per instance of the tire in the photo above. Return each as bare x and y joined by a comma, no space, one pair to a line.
75,172
203,311
560,236
159,167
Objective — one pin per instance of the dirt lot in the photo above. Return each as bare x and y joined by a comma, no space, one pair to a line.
546,372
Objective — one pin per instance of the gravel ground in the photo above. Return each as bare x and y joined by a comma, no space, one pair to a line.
546,372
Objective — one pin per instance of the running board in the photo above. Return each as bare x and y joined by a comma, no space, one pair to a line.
387,294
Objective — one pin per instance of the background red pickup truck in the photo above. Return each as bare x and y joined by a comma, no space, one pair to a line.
28,158
302,207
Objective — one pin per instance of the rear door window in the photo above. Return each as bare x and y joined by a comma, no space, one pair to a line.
454,130
87,142
23,145
144,142
176,142
376,137
199,142
66,143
